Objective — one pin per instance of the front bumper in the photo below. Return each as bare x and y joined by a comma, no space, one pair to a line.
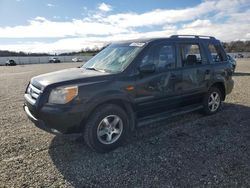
39,123
55,120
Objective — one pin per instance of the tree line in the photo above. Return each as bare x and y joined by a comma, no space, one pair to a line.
6,53
237,46
88,52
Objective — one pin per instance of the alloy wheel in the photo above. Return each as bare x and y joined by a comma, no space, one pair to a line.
214,101
109,129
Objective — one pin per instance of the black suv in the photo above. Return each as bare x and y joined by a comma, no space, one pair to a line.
130,84
10,62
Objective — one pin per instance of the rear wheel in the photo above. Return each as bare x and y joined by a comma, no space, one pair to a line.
212,101
234,67
107,128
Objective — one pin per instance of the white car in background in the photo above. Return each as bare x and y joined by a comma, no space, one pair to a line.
76,59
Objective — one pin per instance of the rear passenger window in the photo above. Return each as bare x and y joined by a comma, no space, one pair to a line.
190,55
216,54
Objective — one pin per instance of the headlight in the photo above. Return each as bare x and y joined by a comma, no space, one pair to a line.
63,95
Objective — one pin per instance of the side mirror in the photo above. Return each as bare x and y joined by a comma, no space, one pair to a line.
148,68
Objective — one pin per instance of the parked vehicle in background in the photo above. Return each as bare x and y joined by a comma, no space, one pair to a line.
10,62
232,61
76,59
54,60
239,56
130,84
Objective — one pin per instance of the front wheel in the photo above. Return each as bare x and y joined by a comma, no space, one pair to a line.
107,128
212,101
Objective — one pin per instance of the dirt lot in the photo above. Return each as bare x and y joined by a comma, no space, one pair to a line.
191,150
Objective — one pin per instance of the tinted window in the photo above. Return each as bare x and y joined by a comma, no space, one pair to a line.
190,54
163,56
148,58
216,53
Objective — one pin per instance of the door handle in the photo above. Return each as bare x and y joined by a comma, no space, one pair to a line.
173,76
207,71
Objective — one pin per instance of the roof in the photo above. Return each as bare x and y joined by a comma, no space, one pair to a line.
173,37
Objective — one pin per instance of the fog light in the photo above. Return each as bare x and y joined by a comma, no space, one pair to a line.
55,131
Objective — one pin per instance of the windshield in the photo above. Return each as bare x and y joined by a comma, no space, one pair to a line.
114,58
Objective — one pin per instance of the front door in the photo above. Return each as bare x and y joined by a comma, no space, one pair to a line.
154,89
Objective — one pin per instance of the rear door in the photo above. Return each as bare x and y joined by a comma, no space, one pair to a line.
195,73
154,89
222,69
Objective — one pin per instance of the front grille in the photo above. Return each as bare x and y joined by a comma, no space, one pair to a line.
33,91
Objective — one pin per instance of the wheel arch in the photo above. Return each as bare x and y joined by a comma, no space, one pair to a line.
120,101
221,86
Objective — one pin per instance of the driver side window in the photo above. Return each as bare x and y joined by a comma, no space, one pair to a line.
165,57
148,58
162,56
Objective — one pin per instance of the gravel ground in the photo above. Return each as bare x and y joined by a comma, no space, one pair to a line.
188,151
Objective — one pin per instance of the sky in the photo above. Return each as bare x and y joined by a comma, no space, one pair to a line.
55,26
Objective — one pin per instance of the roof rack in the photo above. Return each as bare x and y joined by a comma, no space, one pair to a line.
192,36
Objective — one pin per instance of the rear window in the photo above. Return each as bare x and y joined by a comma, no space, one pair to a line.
191,55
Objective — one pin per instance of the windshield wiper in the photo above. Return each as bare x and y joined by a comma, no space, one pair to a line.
93,68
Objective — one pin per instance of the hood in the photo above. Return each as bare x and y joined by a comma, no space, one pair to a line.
65,75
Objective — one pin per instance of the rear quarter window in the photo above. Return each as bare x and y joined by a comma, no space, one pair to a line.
216,53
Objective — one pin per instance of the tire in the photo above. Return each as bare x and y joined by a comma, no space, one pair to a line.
107,128
234,67
212,101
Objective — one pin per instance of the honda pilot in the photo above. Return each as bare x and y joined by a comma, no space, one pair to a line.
130,84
